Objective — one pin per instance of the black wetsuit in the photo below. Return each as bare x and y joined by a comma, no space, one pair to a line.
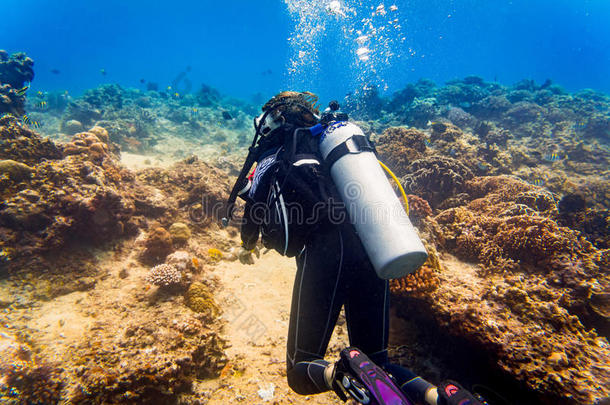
333,271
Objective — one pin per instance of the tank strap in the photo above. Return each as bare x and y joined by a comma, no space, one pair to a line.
352,145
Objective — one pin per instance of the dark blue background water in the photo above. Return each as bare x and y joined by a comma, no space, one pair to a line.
230,44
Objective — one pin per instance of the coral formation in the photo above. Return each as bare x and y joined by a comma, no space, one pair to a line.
423,281
398,147
15,71
435,178
200,299
158,245
25,378
546,277
164,275
180,233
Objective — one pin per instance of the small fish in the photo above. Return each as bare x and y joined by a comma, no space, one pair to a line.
43,104
176,95
55,71
28,121
142,81
22,90
483,166
553,157
538,182
40,93
427,142
169,87
226,116
393,7
103,72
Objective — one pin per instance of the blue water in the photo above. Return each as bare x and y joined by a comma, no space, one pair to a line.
242,47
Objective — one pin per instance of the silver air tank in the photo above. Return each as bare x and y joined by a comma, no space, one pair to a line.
389,238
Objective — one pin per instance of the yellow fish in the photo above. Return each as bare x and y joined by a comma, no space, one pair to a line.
176,95
553,157
22,90
42,104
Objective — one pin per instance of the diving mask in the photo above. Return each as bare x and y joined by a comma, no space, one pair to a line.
268,122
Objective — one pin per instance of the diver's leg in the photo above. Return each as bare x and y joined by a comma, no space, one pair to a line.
316,301
367,304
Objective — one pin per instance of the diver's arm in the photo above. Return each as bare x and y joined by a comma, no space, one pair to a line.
250,229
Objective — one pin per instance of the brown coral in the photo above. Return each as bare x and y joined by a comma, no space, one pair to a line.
435,178
158,245
399,146
422,281
95,143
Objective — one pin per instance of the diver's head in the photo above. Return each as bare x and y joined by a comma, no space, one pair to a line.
287,110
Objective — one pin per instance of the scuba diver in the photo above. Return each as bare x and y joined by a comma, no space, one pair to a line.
310,197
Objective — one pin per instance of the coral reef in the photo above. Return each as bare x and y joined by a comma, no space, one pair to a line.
62,200
25,378
23,145
533,303
15,71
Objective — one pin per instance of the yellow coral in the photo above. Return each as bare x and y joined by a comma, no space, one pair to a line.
215,254
200,299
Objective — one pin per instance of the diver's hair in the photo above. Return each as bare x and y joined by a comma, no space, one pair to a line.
299,109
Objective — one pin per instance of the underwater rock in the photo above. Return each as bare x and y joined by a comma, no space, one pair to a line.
72,127
105,96
158,245
82,112
14,170
180,233
182,260
196,186
461,118
153,356
207,96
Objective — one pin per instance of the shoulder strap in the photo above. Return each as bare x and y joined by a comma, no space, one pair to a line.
354,144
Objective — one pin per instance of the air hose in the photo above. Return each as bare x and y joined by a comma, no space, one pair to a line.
402,190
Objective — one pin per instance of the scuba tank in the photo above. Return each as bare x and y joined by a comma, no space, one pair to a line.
389,238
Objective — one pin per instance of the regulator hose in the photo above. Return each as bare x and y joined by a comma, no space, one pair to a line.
402,190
